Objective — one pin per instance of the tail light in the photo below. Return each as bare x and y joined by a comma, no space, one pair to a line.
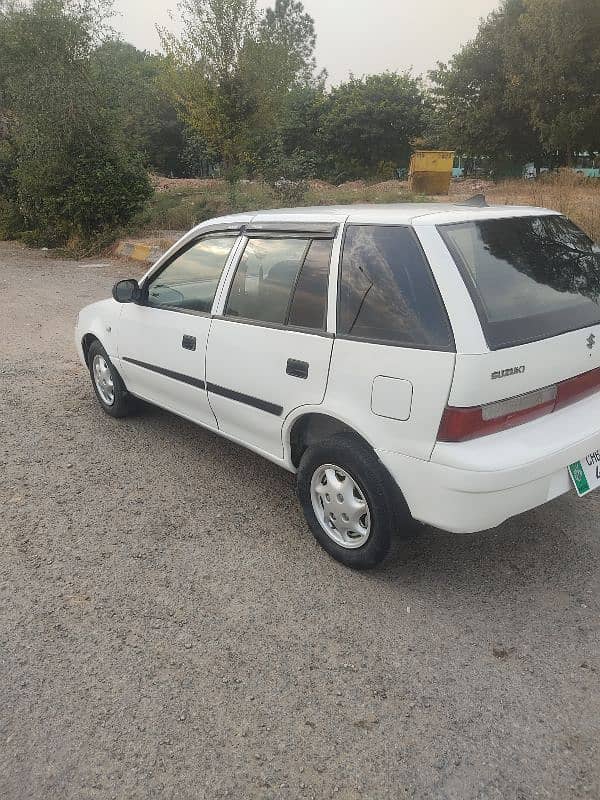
460,424
577,388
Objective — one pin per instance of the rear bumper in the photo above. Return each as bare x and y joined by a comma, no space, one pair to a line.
473,486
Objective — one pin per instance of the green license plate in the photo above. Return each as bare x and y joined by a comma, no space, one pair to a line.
586,473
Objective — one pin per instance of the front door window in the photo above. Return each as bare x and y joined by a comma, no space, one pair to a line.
189,282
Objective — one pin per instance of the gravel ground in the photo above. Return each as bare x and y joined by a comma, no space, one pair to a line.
169,628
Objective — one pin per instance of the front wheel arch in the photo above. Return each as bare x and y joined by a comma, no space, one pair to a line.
86,342
120,405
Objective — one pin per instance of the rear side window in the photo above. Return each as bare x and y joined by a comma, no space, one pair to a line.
387,293
530,277
309,306
282,282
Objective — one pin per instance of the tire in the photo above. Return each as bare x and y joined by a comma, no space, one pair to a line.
367,543
107,382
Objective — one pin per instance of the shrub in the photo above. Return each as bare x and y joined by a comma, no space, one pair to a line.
289,193
67,173
74,201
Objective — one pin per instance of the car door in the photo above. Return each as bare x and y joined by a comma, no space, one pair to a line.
162,339
269,350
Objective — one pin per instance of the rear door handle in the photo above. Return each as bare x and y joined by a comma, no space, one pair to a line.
297,369
188,342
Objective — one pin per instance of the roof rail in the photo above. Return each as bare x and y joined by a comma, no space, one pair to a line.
477,201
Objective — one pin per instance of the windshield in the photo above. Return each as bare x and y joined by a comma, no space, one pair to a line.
530,277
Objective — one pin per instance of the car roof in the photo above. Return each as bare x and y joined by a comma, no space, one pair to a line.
383,214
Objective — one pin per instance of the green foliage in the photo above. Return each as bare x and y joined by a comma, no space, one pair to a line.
475,114
82,114
285,46
175,210
526,86
196,157
74,176
554,73
370,120
231,68
10,219
300,121
130,79
92,194
298,165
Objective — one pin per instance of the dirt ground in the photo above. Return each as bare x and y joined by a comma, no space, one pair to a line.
169,628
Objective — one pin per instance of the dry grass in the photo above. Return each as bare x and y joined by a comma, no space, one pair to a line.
179,204
571,194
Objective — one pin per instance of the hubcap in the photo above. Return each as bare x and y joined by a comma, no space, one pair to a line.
103,380
340,506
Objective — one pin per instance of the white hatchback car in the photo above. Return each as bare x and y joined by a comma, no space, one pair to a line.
434,362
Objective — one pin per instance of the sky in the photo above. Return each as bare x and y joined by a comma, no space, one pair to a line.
353,36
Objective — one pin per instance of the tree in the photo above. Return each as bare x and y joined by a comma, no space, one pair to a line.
554,72
526,87
131,82
301,117
474,109
287,40
368,123
74,177
231,68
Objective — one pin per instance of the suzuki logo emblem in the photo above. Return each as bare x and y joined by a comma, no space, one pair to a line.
591,340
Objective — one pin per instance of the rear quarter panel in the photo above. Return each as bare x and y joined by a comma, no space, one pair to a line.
355,366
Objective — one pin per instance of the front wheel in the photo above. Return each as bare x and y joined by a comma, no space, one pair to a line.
108,385
347,500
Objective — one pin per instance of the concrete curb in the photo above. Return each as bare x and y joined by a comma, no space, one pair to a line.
139,252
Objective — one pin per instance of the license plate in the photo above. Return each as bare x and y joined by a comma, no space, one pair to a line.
586,473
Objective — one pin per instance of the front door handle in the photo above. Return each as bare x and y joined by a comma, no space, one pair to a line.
297,369
188,342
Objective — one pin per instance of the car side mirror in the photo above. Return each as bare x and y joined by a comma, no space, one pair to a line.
126,291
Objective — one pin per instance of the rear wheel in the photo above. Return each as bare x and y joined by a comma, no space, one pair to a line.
347,499
108,385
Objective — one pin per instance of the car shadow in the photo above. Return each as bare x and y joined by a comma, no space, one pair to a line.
551,544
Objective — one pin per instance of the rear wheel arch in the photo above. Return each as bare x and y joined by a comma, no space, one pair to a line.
314,427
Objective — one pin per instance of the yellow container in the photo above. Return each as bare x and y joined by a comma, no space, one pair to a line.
430,171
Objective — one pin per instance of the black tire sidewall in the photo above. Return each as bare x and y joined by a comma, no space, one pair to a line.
351,454
120,406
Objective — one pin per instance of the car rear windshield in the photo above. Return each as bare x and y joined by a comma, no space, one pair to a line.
530,277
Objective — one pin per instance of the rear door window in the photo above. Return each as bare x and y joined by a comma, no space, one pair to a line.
530,278
309,305
387,293
282,281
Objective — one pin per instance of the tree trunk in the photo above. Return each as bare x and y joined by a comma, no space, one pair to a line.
569,156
